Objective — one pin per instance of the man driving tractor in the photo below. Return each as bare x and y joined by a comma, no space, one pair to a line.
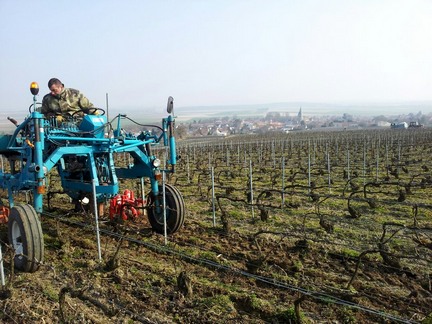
63,103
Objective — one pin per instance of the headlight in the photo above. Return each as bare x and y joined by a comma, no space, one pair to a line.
156,163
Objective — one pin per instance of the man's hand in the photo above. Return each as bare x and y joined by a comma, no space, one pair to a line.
60,119
91,111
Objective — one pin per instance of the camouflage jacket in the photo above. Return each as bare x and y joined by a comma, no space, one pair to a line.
66,103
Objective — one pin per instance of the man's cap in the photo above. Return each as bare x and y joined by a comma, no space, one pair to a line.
54,81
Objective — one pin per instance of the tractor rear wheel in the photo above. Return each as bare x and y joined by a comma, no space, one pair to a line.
25,236
175,210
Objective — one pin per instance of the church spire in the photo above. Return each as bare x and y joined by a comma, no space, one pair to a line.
300,115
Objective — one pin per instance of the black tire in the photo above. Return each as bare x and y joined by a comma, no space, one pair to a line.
181,206
25,236
175,210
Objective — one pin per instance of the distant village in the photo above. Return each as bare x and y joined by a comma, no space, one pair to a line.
274,121
291,122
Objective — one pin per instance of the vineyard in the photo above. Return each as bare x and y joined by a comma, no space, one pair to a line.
305,227
345,216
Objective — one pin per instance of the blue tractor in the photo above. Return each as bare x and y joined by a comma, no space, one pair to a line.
83,151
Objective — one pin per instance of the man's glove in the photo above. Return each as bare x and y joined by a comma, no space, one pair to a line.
60,119
91,111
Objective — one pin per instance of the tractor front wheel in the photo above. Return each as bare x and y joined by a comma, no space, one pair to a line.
175,210
25,236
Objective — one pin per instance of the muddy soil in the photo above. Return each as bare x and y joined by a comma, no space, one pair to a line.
202,275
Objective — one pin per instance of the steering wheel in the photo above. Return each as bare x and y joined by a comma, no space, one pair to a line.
90,111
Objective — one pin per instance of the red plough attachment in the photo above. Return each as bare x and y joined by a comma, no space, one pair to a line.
4,214
125,206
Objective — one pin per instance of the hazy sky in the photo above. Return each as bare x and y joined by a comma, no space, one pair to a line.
217,52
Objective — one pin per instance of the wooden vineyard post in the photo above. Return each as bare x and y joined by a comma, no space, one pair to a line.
377,161
2,276
227,156
188,169
194,159
274,153
283,182
314,152
309,166
96,220
348,163
386,158
143,197
364,163
399,153
328,169
164,208
213,197
251,189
